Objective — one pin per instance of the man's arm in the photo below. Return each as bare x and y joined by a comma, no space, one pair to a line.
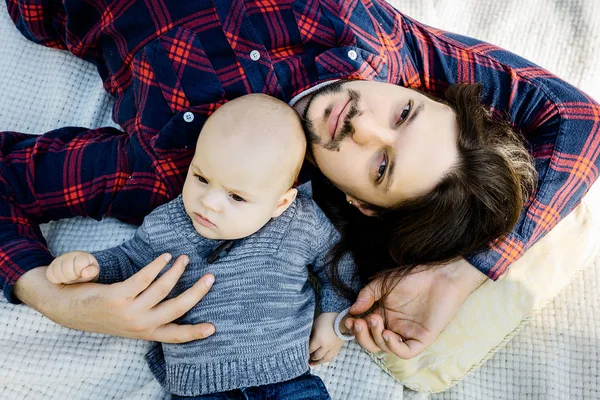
132,308
64,173
562,126
75,171
417,309
41,22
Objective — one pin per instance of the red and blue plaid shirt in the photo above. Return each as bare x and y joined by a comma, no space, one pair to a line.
170,63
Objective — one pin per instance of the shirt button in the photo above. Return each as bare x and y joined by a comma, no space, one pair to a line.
254,55
188,116
352,55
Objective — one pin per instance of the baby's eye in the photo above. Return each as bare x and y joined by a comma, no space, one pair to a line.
201,179
237,198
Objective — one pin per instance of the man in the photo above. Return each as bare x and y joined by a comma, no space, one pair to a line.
170,64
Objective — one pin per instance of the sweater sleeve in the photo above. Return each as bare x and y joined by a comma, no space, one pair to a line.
326,236
121,262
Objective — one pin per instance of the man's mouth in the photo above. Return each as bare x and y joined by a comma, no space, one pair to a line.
337,117
203,221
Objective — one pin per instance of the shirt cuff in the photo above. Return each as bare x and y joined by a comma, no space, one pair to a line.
18,257
495,261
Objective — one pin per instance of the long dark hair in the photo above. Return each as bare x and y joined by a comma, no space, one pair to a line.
477,202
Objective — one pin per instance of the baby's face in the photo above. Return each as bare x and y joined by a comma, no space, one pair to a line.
230,191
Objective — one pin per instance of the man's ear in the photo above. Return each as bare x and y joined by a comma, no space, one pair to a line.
285,201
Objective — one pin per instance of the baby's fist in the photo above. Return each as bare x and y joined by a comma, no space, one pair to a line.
73,267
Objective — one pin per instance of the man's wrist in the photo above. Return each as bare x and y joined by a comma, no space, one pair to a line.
465,274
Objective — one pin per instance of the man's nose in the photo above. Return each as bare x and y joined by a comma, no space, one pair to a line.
212,201
369,130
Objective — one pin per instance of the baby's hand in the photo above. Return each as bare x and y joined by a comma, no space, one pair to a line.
73,267
324,344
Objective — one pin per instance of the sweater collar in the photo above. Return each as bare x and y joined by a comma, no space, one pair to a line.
182,222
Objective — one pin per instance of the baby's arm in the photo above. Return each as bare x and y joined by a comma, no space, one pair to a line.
325,344
329,333
107,266
73,267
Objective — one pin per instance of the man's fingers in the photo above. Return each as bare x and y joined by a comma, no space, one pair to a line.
161,287
176,307
363,336
376,328
144,277
366,298
349,323
404,349
173,333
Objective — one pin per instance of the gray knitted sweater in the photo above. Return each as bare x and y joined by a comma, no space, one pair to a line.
261,304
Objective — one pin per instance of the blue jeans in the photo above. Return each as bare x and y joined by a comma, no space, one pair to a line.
304,387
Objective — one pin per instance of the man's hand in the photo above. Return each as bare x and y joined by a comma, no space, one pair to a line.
417,310
132,308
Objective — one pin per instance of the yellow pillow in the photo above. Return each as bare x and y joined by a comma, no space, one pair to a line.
496,311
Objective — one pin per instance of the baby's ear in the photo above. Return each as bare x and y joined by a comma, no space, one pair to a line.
285,201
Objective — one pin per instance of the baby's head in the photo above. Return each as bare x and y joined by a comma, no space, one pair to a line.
247,158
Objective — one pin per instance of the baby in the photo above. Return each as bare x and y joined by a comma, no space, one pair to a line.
240,219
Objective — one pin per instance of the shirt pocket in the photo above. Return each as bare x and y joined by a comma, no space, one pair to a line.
177,67
351,62
333,48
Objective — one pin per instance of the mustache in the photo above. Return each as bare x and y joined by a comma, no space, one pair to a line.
336,87
347,127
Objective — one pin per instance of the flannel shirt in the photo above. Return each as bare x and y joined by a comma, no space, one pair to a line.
170,63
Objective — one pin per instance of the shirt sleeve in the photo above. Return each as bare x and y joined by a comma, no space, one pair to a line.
121,262
64,173
560,122
42,22
326,236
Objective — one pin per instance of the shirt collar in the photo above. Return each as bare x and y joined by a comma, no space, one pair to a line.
310,90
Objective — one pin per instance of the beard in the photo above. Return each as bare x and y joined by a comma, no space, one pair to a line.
309,130
346,126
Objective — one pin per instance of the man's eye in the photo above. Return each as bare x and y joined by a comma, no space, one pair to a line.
201,179
237,198
404,113
381,169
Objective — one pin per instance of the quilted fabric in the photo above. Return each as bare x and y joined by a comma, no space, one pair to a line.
554,357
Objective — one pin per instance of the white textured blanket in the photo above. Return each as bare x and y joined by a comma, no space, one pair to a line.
554,357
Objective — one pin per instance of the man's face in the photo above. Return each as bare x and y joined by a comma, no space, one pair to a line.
380,143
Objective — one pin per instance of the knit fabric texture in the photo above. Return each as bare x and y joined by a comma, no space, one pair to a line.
261,304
